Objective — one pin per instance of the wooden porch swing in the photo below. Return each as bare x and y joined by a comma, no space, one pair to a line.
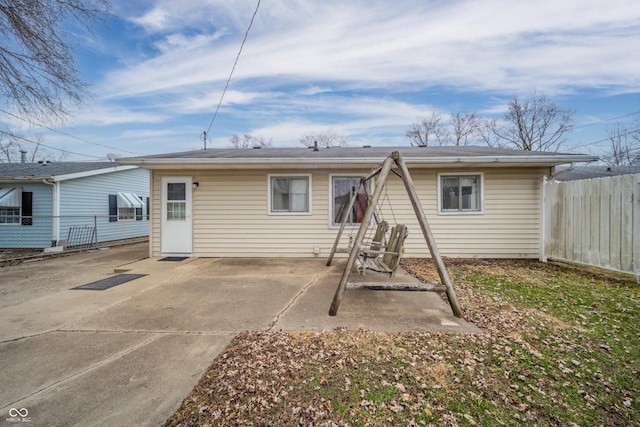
381,253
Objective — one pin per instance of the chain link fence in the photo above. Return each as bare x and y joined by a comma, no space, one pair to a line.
38,235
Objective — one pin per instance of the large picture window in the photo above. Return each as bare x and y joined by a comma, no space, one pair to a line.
460,193
342,189
289,194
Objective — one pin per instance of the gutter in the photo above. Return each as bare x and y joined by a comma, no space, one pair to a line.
414,161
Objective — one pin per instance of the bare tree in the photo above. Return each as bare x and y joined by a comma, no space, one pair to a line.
325,140
249,141
112,157
624,148
429,131
38,75
487,132
464,127
12,146
535,124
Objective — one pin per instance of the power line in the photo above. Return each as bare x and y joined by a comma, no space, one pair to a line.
226,86
629,132
606,120
47,146
67,134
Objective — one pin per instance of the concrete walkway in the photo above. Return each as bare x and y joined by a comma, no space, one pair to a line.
130,354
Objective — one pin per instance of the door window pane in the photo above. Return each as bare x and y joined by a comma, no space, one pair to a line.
176,211
176,191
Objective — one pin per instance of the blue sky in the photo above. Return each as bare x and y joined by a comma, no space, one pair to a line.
366,70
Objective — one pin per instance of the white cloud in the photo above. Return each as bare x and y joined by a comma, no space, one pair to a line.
483,45
366,69
116,115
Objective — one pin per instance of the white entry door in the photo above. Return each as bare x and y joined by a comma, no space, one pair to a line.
176,232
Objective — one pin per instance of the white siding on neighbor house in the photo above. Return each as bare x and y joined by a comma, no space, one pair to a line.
231,219
83,198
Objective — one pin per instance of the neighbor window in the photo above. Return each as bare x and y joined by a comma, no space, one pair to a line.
290,194
343,188
460,193
126,214
10,205
9,215
125,207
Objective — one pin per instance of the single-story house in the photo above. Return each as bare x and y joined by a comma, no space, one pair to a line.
576,173
286,202
65,203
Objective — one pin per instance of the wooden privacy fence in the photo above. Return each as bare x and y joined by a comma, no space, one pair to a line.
595,222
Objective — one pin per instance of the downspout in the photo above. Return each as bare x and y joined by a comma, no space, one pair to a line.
55,220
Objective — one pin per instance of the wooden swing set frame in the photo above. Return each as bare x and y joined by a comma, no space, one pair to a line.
382,173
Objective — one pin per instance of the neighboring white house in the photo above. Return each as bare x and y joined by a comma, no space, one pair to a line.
42,204
284,202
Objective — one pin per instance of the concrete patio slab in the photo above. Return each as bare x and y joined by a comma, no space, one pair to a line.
143,386
129,354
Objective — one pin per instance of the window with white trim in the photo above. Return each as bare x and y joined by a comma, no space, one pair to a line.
176,201
290,194
342,189
460,193
125,207
10,205
126,214
10,215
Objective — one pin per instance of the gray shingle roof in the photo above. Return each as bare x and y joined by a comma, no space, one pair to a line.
588,172
49,170
351,154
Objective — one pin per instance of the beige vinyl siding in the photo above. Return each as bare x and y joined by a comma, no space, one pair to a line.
231,215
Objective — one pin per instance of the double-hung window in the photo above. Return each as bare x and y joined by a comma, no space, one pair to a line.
342,190
460,193
290,194
10,205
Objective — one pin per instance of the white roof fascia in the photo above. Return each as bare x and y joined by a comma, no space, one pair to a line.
91,173
166,163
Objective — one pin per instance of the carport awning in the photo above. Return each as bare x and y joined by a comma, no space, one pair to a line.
129,200
10,197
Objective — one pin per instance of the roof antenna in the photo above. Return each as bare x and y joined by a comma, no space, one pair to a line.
204,138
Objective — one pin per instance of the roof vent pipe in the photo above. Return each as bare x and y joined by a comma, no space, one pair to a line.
23,156
315,146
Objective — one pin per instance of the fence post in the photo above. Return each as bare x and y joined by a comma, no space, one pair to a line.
95,230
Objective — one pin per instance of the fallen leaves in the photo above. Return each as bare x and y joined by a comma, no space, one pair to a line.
535,363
